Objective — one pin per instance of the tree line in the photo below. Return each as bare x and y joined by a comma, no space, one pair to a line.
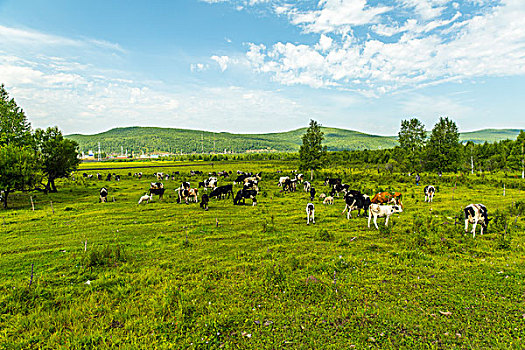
441,151
31,160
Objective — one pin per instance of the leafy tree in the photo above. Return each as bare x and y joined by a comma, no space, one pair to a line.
312,152
412,136
59,156
443,150
19,169
516,156
14,127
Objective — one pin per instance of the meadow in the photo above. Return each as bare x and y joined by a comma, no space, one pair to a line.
76,273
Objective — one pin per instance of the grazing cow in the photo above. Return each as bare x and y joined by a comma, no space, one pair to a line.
474,214
243,194
99,176
129,174
310,213
282,180
209,183
322,196
108,178
312,194
251,185
103,195
299,177
339,188
222,191
193,195
380,211
329,200
290,185
429,193
145,198
182,194
157,188
185,185
307,185
356,200
204,201
387,198
331,182
117,177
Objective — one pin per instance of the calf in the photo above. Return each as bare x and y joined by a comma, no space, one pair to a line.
183,194
322,196
429,193
243,194
474,214
145,198
193,194
356,200
310,213
329,200
222,191
204,201
103,195
380,211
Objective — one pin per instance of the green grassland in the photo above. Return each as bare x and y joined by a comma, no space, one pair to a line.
151,139
168,275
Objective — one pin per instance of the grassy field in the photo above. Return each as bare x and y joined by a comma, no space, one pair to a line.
168,275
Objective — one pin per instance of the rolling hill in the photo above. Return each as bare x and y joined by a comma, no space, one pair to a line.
152,139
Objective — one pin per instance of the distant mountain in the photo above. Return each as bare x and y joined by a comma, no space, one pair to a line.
151,139
489,135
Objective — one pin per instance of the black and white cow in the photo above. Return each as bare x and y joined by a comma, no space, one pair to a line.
103,195
240,178
222,191
429,193
211,182
339,188
145,198
243,194
307,185
204,201
108,178
282,180
356,200
379,211
99,176
331,182
157,188
310,213
185,185
474,214
289,185
117,177
312,194
251,185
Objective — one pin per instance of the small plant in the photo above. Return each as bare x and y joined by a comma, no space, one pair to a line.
324,235
105,256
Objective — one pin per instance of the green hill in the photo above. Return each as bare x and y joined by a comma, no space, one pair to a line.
151,139
489,135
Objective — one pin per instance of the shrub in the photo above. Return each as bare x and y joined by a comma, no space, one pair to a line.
105,256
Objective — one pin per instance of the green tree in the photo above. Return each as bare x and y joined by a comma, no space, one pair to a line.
443,150
58,156
312,152
412,136
516,156
14,127
19,169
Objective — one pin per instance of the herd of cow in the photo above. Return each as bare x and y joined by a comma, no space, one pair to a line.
383,204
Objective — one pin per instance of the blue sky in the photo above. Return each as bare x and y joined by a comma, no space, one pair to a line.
254,66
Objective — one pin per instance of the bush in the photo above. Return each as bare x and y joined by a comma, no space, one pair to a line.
105,256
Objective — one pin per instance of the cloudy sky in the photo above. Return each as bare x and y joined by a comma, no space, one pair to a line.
264,65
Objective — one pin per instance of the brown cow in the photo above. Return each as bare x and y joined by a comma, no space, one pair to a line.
387,197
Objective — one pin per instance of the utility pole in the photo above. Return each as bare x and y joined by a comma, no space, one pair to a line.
202,142
99,151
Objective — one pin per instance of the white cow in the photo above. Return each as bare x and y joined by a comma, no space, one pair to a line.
380,211
474,214
307,185
282,180
429,193
310,213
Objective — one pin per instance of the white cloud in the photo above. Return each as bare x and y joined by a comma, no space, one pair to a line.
199,67
491,43
223,61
